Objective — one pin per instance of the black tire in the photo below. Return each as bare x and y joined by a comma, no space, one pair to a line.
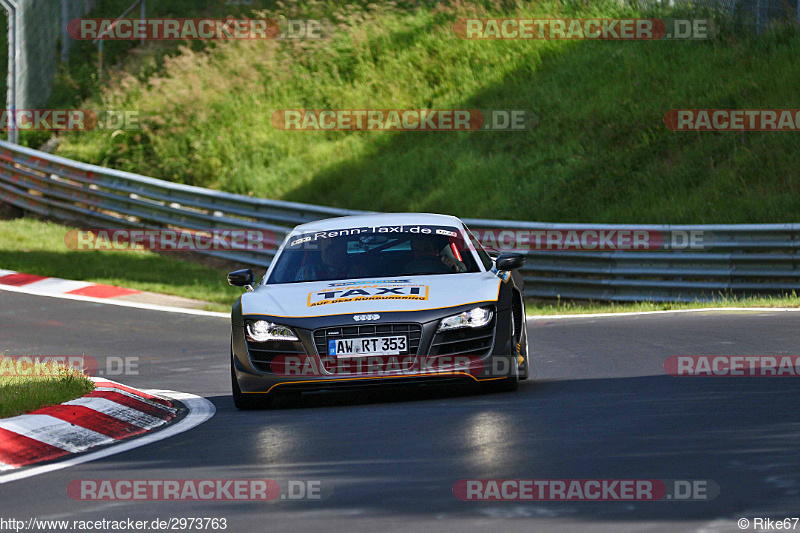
247,402
522,341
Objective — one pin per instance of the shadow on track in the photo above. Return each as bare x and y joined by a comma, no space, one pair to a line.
401,451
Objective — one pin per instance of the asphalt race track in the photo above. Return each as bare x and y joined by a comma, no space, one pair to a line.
601,407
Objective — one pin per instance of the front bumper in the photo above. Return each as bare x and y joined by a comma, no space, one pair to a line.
437,359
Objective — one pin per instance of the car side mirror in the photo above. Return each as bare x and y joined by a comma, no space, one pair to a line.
506,262
242,278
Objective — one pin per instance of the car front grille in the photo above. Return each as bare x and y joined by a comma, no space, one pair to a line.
412,331
263,353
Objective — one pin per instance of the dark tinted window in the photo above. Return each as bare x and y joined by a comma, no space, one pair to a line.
373,252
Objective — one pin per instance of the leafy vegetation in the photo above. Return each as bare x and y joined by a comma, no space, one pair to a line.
600,152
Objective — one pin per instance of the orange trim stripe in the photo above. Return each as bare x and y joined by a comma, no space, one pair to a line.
372,377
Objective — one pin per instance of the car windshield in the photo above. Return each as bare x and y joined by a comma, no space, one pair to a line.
373,252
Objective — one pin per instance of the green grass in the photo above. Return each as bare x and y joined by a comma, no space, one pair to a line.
600,153
37,247
50,386
538,307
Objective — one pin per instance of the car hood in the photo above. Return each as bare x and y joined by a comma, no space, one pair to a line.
406,293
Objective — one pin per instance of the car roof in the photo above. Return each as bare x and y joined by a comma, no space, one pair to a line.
379,219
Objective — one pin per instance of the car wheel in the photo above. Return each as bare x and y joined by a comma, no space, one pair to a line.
247,402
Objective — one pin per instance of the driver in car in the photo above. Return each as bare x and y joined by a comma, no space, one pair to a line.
333,264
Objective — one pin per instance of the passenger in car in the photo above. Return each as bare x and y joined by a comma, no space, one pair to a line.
427,259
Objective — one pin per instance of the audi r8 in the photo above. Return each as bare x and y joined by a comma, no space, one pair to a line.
368,300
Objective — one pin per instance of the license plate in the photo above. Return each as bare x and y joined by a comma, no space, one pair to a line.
364,346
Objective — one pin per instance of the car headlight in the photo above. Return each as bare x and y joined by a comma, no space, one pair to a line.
475,318
263,331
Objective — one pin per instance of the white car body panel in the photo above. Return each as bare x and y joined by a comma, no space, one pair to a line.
323,298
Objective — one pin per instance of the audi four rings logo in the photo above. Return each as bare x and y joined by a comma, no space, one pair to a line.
361,318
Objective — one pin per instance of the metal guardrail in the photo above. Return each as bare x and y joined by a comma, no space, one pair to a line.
734,259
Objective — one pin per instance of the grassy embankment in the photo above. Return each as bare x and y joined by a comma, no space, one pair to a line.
36,247
600,153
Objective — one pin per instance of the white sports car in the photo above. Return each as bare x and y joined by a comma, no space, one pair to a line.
403,298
